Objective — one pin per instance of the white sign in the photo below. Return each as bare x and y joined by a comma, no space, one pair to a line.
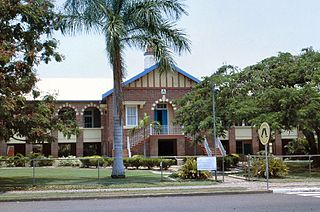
264,133
206,163
163,91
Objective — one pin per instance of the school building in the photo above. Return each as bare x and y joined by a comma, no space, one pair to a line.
152,93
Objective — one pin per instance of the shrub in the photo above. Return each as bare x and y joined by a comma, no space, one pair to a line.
10,161
298,146
20,160
135,161
166,163
235,159
108,161
2,161
40,160
69,161
150,162
189,171
277,168
91,161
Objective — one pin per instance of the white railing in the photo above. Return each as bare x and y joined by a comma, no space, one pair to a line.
138,136
207,148
165,130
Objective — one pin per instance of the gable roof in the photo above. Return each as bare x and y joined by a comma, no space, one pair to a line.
145,72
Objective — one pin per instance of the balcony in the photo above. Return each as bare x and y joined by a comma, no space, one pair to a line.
165,130
91,135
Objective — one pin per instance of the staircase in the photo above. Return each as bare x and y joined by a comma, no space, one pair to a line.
138,137
220,151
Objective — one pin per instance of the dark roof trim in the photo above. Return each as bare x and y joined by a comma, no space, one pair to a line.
145,72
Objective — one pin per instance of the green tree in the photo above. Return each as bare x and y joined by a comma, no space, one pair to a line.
195,108
282,90
129,23
25,41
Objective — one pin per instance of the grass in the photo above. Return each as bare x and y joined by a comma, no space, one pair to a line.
298,171
114,194
48,178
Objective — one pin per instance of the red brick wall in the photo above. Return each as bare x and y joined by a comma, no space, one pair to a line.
232,140
149,95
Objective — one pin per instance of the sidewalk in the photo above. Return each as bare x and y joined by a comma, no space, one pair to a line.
231,185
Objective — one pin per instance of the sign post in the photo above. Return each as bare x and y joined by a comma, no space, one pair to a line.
264,136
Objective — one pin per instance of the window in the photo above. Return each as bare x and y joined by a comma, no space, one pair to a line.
91,118
131,115
88,118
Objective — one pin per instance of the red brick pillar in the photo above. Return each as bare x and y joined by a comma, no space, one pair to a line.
232,140
79,144
54,145
3,148
255,141
104,145
278,143
153,146
28,149
181,146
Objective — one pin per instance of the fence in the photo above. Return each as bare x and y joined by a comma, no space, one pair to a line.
22,172
292,167
81,171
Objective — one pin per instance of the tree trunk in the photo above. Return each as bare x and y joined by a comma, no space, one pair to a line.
118,167
311,141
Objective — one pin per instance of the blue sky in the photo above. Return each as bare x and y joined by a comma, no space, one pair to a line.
237,32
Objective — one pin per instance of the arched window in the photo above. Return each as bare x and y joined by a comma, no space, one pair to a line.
92,118
67,114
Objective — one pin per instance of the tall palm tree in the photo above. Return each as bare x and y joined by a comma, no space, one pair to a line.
129,23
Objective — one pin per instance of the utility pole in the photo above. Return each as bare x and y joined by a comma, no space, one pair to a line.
214,127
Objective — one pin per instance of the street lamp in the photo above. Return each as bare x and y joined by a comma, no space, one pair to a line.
214,127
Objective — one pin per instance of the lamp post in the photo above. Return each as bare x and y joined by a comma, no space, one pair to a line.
214,127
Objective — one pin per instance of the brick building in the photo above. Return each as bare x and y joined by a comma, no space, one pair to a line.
151,93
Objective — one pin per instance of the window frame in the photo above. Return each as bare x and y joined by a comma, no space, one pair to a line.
136,119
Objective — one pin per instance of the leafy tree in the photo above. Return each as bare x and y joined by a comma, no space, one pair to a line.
282,90
129,23
195,108
25,30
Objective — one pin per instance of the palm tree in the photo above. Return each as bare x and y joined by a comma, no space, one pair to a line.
144,123
129,23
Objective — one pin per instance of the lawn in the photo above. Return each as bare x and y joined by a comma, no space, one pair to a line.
67,177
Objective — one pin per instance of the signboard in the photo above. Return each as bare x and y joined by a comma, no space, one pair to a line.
206,164
264,133
10,151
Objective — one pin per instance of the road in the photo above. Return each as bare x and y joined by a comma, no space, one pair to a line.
243,202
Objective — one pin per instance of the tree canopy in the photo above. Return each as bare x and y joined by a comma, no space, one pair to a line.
25,41
282,90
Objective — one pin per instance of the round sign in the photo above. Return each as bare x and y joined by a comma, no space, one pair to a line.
264,133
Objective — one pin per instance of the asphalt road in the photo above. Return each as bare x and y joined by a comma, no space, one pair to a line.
243,202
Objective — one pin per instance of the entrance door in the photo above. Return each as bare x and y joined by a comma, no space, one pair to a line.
167,147
161,116
247,149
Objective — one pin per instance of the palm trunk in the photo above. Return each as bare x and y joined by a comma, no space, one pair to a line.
118,167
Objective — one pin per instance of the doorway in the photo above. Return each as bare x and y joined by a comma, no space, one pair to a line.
161,116
167,147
